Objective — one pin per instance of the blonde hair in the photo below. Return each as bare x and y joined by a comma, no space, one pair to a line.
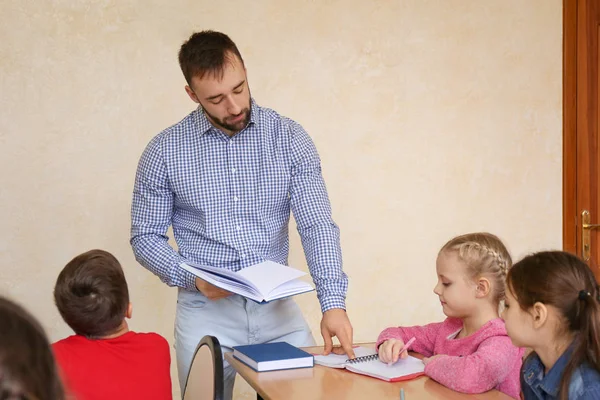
484,255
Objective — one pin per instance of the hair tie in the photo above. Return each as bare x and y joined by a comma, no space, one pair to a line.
583,294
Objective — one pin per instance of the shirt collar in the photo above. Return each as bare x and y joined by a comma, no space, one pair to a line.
204,124
549,383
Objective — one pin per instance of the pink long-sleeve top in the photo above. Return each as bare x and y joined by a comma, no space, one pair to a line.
477,363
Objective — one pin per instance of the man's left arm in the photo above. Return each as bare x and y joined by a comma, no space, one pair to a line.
320,238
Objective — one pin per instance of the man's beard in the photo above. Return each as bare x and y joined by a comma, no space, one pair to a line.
232,127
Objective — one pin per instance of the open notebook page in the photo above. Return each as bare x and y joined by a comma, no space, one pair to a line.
406,368
339,361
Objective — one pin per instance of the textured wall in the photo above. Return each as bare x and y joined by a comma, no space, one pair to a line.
433,118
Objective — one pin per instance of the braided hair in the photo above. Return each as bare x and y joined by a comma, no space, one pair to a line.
485,255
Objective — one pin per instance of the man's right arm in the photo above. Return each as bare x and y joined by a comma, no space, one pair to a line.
151,215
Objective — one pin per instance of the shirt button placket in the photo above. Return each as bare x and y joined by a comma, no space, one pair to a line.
234,179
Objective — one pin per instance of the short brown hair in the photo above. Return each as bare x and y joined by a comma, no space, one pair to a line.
27,367
91,294
206,52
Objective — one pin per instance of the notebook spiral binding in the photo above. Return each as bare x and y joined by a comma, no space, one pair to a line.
357,360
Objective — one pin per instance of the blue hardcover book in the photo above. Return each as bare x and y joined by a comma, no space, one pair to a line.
273,356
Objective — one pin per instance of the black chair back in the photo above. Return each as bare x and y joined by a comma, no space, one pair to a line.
205,378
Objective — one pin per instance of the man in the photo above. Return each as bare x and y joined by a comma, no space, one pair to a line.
226,178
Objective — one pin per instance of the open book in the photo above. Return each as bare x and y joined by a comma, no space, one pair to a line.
367,363
262,282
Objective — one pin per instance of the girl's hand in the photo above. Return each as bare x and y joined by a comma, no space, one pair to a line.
430,359
389,351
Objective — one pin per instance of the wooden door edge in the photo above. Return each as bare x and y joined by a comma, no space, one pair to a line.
569,192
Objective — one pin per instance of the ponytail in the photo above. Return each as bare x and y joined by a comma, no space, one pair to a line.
564,281
586,345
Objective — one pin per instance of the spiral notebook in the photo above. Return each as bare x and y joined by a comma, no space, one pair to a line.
367,363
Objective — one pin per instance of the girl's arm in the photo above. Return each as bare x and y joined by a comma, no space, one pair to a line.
478,372
425,337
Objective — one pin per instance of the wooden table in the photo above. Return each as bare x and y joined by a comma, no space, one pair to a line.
331,383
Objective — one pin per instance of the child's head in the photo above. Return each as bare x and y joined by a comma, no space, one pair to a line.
91,294
475,263
27,367
552,299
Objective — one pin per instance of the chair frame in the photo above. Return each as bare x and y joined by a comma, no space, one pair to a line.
217,357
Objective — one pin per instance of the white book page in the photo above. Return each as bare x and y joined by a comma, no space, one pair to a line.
222,272
224,283
267,275
381,370
339,361
289,289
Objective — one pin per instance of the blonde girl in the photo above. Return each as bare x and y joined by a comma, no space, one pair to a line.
470,351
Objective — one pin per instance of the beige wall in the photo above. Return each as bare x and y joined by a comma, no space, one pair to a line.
433,118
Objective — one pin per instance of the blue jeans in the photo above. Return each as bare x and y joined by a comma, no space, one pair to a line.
235,321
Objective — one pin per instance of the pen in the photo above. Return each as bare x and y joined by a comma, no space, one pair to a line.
407,345
401,394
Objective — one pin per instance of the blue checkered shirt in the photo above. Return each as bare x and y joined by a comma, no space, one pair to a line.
229,200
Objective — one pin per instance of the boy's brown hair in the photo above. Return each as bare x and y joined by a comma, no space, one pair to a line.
91,294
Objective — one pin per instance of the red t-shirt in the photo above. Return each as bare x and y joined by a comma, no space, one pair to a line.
131,366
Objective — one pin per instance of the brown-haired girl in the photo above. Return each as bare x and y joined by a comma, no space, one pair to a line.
552,307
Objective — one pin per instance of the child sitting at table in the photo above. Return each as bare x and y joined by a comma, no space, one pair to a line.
470,351
552,306
27,367
104,359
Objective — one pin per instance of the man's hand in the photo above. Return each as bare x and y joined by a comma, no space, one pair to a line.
211,291
335,322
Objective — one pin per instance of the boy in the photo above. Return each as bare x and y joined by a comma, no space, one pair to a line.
104,359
